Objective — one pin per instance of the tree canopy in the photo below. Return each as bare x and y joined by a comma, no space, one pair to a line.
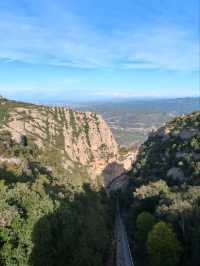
163,247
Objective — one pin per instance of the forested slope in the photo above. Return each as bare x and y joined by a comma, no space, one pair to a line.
52,212
163,204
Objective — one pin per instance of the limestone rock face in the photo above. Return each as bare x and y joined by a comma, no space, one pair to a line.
80,137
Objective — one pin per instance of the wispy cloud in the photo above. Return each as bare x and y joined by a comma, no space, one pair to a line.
126,94
73,43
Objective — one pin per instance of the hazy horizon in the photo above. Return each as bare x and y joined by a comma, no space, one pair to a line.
90,101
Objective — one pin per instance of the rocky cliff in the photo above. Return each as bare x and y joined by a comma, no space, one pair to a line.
63,137
49,186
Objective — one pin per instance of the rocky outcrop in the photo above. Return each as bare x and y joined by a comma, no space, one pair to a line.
13,160
114,173
172,152
171,130
81,137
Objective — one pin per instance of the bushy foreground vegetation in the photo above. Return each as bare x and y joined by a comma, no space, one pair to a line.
162,209
47,219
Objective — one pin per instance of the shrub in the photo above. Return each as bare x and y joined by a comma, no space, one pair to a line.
163,247
145,222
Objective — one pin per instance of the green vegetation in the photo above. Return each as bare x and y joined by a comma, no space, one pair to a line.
78,233
96,119
86,129
163,247
144,223
73,123
6,106
47,219
178,149
165,182
3,115
50,215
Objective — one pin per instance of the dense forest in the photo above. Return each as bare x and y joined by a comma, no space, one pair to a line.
43,219
162,206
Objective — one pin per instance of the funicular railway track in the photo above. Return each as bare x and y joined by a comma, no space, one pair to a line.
123,253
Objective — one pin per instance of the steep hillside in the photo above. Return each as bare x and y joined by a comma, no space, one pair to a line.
172,152
67,142
53,208
163,203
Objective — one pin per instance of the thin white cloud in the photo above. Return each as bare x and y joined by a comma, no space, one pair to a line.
123,94
142,93
70,42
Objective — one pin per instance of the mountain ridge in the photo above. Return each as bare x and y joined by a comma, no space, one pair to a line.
164,191
172,152
66,141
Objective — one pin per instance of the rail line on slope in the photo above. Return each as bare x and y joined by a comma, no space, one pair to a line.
123,252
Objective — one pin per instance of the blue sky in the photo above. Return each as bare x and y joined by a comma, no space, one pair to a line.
87,49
